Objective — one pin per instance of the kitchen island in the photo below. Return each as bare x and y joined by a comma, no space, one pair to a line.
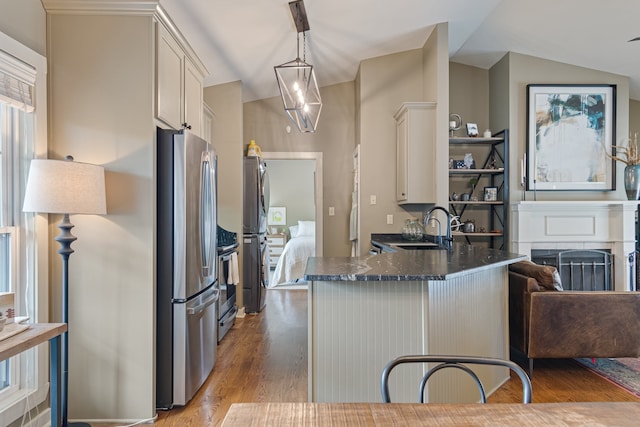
365,311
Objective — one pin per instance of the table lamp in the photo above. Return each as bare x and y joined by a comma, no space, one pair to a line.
65,187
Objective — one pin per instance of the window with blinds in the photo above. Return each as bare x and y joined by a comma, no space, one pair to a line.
17,230
17,81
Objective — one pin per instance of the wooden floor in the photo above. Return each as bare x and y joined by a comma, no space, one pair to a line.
264,358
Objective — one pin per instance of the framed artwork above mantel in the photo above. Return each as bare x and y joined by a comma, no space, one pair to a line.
570,128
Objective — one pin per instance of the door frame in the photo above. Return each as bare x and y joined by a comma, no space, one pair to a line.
317,190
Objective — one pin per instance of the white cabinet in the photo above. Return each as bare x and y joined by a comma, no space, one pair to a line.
276,244
179,95
415,152
207,123
170,75
192,98
107,51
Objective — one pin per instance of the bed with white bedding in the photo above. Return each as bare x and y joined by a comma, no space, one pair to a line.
293,260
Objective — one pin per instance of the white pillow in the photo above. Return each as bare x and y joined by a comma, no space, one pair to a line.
306,228
293,231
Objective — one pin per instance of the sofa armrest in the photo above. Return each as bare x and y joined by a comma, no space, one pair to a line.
584,324
522,283
520,287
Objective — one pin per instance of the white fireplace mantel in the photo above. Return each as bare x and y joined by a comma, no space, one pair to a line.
578,225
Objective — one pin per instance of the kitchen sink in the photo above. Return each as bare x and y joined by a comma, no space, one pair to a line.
417,246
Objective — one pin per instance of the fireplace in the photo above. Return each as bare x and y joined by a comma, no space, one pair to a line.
607,226
580,270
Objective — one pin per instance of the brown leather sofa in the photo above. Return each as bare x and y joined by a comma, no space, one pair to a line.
547,323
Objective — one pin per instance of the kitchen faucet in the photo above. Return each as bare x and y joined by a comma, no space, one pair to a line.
448,240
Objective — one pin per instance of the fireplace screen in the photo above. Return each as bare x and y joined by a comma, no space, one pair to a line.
580,270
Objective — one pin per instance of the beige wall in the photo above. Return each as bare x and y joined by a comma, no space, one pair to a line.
504,91
226,102
101,72
24,21
291,183
101,112
265,121
469,95
384,83
634,117
436,88
523,70
499,95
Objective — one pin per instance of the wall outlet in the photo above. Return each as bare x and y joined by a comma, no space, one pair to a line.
332,211
390,219
372,199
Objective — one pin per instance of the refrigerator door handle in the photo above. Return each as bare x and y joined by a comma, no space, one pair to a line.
207,216
201,307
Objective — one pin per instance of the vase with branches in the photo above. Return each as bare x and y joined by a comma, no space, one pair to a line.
630,156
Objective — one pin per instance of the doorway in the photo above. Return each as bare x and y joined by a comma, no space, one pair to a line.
316,164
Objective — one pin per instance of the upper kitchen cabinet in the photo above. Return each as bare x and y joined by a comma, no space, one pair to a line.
179,98
415,152
103,74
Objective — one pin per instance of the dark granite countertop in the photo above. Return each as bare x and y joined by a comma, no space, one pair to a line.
407,265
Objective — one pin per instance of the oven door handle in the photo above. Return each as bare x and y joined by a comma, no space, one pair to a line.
225,257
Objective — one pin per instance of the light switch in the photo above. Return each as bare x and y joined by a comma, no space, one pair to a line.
390,219
373,199
332,211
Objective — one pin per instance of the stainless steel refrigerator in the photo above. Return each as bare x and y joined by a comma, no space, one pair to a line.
186,264
255,258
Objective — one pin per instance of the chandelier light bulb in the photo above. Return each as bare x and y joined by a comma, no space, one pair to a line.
296,80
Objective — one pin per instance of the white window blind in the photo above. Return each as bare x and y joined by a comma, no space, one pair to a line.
17,81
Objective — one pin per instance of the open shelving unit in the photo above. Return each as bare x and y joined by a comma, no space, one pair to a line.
493,172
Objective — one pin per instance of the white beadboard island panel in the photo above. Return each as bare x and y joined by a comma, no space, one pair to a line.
357,326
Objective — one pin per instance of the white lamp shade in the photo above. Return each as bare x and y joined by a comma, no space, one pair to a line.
65,187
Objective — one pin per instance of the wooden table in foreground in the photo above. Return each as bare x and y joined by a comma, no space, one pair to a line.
455,414
38,333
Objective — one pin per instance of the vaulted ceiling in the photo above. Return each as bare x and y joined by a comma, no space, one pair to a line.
244,39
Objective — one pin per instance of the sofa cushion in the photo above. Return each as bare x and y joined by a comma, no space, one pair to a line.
547,276
584,324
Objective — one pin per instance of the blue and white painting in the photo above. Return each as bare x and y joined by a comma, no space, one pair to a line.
570,127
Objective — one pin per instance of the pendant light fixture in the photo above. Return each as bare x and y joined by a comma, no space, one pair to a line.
297,80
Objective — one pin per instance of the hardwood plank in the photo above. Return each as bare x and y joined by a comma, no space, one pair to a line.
264,359
406,414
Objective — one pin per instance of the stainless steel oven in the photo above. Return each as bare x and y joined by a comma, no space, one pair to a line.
227,307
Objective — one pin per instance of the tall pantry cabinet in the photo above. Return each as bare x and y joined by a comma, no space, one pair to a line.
106,98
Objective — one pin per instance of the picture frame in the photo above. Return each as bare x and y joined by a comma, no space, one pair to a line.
277,215
490,194
570,128
472,129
